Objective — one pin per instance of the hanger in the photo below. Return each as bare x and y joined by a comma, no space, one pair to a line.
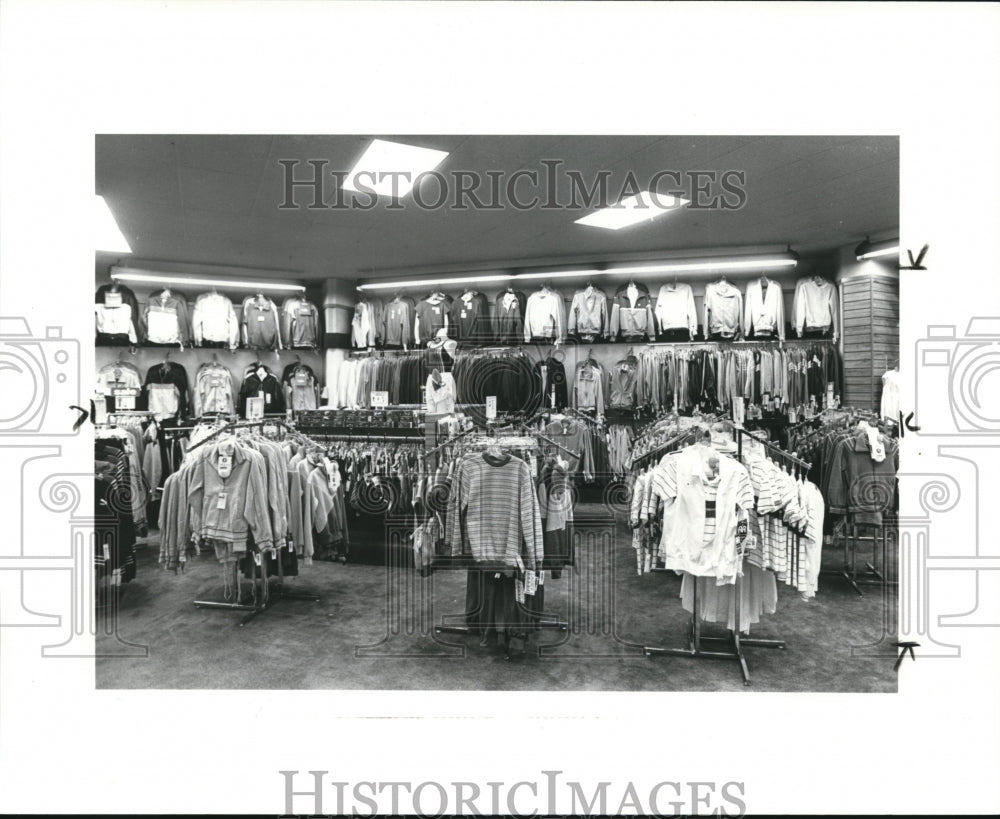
114,285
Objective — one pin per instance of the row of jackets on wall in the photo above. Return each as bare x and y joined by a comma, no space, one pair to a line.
631,314
166,392
167,318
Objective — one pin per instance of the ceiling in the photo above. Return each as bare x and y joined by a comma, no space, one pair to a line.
215,200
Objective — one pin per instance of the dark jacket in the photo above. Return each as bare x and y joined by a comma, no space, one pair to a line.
471,318
170,373
632,321
508,321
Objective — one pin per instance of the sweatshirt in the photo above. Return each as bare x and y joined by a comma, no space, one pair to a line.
723,310
545,316
765,312
215,320
675,309
814,306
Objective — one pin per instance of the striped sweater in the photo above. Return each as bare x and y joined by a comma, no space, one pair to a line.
492,510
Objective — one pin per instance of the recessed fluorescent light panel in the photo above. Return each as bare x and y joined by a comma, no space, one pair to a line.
391,168
643,207
107,235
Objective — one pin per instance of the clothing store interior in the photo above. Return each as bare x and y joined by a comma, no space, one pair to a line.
541,413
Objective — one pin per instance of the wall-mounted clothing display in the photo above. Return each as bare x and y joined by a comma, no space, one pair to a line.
398,322
260,382
214,390
764,316
432,315
588,387
815,307
545,316
167,393
166,319
470,315
588,315
723,310
301,386
261,323
508,316
507,375
675,310
300,325
115,326
214,321
632,313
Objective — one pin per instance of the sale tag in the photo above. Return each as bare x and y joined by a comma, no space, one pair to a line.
379,399
221,503
491,407
255,409
260,318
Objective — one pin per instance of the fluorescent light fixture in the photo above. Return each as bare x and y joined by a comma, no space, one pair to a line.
391,168
643,207
873,250
785,259
107,234
433,282
124,274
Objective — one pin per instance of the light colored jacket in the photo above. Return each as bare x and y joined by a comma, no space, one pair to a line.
215,319
815,305
588,314
675,309
723,310
764,312
166,319
545,316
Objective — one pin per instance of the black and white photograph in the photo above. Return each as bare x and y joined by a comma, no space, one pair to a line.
513,408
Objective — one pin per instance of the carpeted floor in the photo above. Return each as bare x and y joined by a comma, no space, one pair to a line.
373,629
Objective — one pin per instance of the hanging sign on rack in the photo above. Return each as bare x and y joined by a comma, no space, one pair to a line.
491,407
255,409
380,399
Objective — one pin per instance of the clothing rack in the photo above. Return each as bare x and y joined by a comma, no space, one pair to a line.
687,436
268,596
772,450
734,641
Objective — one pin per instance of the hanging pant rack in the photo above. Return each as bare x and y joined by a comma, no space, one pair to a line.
850,530
734,642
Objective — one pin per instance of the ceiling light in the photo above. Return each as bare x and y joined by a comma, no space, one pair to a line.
125,274
872,250
643,207
391,168
785,259
107,234
433,282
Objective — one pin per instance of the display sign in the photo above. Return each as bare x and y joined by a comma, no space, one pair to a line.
255,409
125,398
380,399
491,407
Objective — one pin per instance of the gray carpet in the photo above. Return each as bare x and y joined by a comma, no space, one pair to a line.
363,636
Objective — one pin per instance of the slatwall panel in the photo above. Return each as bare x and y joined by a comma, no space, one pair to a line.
871,336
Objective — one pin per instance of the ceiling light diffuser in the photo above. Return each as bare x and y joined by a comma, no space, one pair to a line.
391,168
643,207
872,250
124,274
107,234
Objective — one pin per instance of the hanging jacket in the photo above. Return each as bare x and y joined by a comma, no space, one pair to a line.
508,316
257,383
397,324
363,325
432,314
115,324
765,312
553,378
723,310
214,319
166,387
545,316
588,387
471,317
675,308
166,319
814,306
261,324
301,387
299,323
588,315
126,296
632,313
214,390
624,381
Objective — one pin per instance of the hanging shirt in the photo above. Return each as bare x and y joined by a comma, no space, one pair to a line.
116,321
215,320
675,308
545,316
765,310
814,306
723,310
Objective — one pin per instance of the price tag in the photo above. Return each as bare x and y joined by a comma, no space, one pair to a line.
380,398
491,407
112,299
260,318
221,503
255,409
